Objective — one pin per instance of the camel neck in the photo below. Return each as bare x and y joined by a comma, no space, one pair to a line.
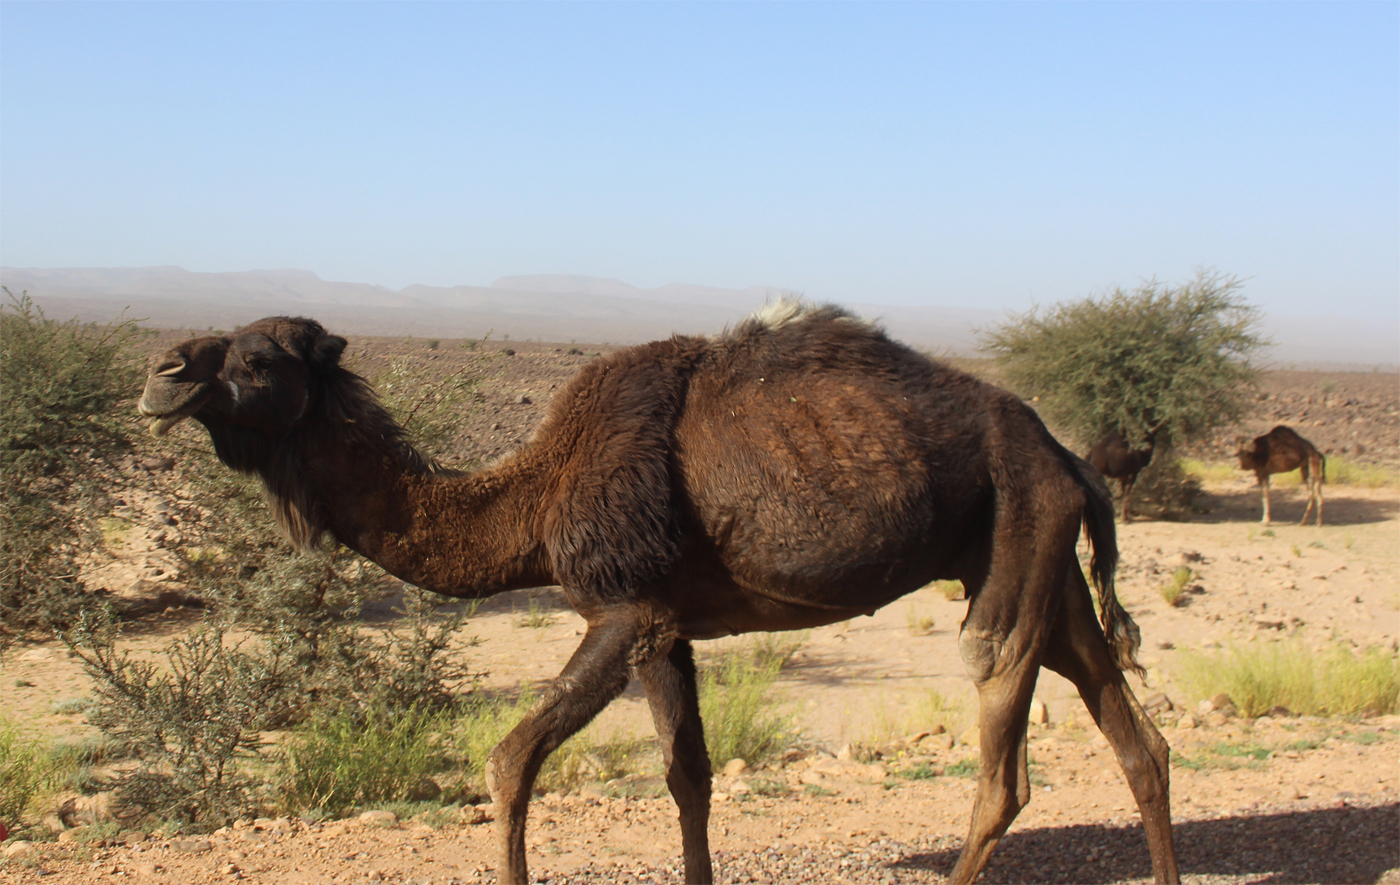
460,534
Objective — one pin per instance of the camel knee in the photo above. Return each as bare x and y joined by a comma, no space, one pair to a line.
979,655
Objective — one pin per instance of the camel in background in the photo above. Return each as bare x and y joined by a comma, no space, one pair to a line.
1112,457
1280,451
796,471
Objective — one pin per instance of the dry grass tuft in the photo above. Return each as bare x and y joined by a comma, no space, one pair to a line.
1331,681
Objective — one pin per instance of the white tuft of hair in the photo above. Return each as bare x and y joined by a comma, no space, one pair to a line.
776,314
779,313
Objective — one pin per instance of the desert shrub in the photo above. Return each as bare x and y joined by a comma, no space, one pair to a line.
1331,681
60,387
340,761
1174,357
744,717
188,718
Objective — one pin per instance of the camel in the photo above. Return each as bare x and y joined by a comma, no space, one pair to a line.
1279,451
798,470
1112,458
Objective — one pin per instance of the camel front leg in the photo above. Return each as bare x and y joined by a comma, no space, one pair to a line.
595,675
1264,490
669,682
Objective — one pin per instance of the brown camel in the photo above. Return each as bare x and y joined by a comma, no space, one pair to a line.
1279,451
799,470
1112,457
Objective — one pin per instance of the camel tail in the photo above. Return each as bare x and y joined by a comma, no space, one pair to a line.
1119,629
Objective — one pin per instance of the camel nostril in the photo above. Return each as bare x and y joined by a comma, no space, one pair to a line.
170,367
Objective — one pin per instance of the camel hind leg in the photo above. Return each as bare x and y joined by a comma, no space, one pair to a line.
1001,642
669,682
1078,651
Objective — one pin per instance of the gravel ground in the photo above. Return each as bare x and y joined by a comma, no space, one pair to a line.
1348,844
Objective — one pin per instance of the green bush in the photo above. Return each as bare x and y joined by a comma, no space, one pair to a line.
1332,681
188,719
28,769
336,763
61,388
744,717
1158,356
1175,356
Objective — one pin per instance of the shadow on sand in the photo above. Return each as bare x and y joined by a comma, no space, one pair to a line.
1341,506
1322,845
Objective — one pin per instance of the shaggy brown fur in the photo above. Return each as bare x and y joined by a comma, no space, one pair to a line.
1112,457
1279,451
797,471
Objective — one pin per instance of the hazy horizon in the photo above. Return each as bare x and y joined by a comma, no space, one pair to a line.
573,307
983,156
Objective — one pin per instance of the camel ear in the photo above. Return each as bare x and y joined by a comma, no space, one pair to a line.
327,351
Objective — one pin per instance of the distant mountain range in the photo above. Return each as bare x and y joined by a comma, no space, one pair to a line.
563,308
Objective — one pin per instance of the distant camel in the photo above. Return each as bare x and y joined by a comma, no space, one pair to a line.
1112,457
1279,451
798,470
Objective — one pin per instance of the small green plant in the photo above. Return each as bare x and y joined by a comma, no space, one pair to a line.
1297,551
963,768
28,770
919,624
775,650
342,761
536,617
1365,738
1175,589
923,771
73,706
950,590
432,343
1267,533
1317,545
744,718
1332,681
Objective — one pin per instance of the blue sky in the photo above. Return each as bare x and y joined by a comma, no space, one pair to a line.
981,155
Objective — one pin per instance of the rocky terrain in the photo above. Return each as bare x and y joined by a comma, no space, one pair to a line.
878,788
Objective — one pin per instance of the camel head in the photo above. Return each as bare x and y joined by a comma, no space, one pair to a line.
261,379
1248,453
